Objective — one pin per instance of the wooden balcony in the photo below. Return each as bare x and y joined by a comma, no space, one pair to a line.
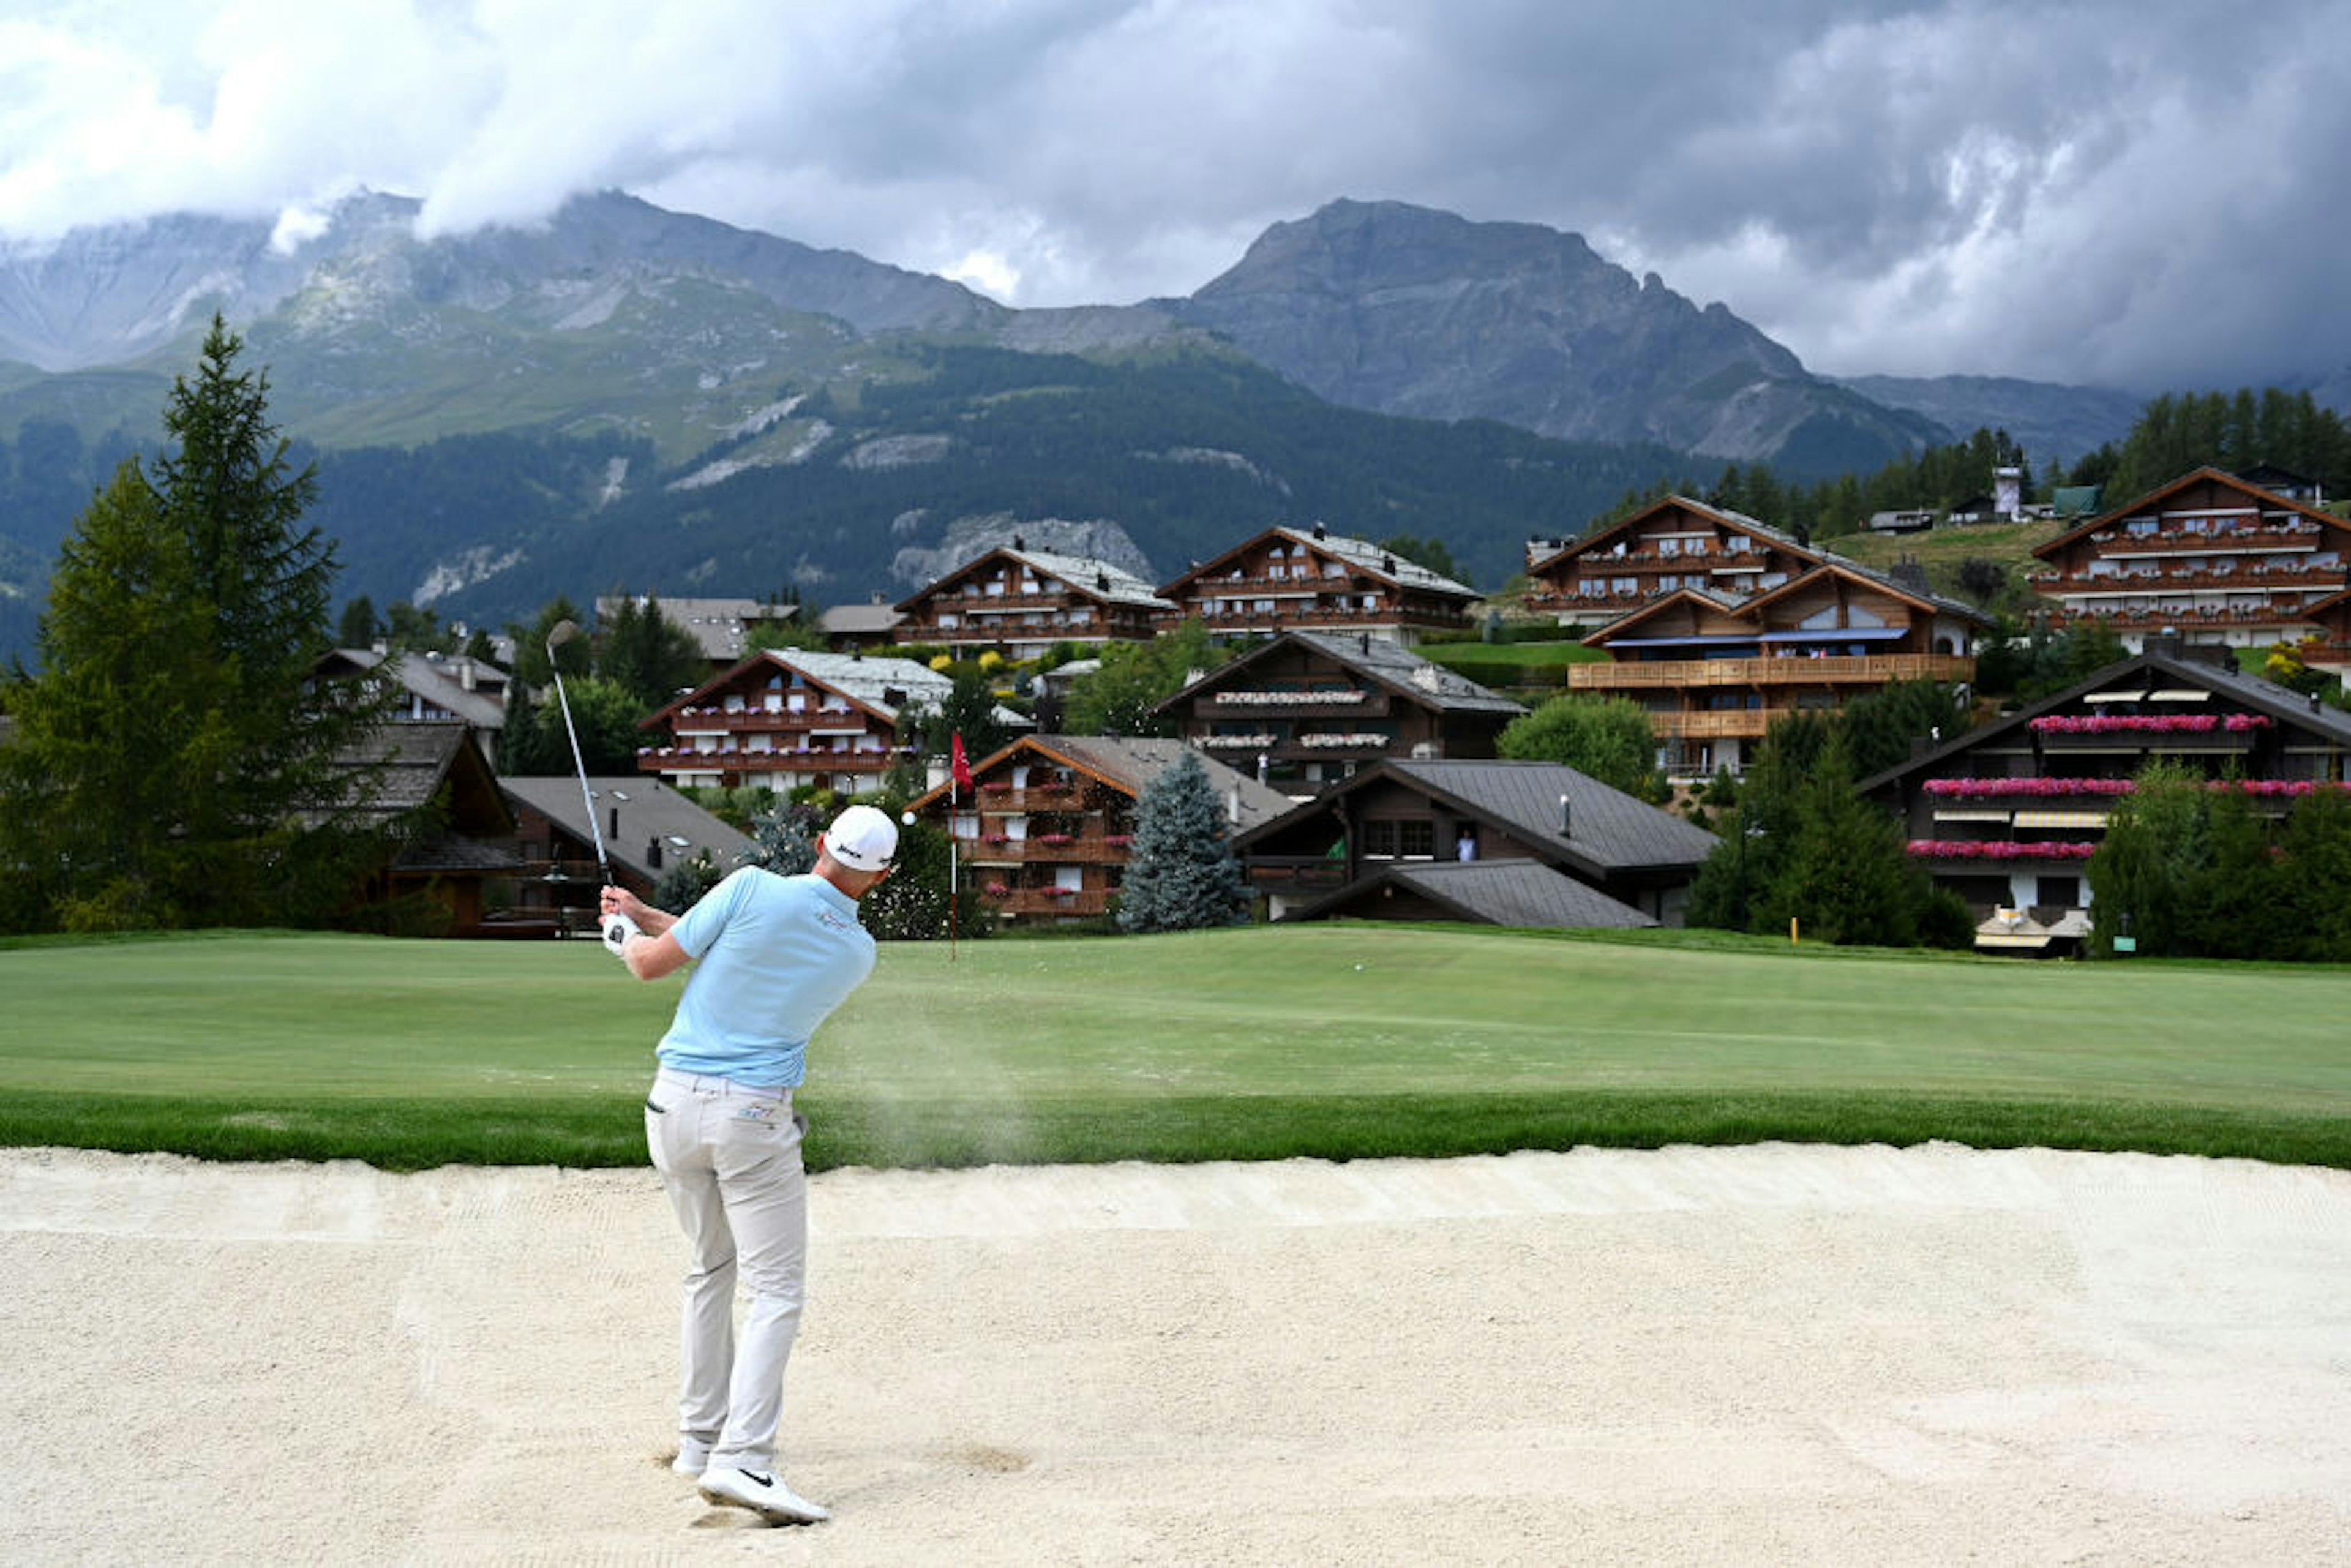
991,801
2311,583
1242,707
744,721
1048,901
1342,617
1766,674
739,763
2290,536
1295,874
1036,852
1716,724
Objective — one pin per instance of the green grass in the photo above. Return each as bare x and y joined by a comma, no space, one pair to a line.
1339,1041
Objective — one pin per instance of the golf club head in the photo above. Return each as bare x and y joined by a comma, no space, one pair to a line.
562,631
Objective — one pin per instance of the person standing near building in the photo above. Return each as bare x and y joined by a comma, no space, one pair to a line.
773,956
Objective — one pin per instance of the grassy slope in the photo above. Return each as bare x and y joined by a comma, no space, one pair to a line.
1333,1040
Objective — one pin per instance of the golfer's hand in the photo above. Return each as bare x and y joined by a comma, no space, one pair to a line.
620,901
618,929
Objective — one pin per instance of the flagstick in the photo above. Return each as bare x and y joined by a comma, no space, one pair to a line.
952,859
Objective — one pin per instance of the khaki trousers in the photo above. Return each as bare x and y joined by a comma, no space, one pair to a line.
729,1155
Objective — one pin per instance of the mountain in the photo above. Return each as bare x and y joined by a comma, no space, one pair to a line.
1412,311
627,396
2048,420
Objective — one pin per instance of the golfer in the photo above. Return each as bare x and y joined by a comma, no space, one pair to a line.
775,955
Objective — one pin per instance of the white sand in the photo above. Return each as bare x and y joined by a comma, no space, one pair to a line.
1741,1355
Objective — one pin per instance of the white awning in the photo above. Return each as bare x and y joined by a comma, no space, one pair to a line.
1971,816
2114,697
2060,819
2180,694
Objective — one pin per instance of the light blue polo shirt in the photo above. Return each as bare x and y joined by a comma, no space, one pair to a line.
773,955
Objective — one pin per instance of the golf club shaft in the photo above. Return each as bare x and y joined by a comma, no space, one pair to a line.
586,798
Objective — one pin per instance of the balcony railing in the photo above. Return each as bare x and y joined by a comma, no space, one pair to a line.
1296,874
711,720
1038,852
1051,900
2290,536
680,759
2307,580
1386,614
1784,671
994,798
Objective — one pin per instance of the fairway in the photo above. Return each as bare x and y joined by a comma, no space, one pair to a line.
1245,1043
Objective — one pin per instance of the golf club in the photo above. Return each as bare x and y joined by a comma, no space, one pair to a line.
563,632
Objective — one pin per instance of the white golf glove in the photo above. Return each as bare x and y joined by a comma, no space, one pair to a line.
618,929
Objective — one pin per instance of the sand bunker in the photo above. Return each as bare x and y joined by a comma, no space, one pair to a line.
1696,1356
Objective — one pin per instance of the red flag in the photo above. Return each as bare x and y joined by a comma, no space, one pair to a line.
957,766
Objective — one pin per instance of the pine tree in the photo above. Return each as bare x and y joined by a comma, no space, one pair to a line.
175,760
1182,875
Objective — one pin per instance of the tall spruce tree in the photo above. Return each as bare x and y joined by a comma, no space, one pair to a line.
1181,874
175,762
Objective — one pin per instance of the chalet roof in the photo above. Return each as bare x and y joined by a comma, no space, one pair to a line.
408,763
876,620
2154,498
1129,764
868,683
426,678
1360,554
1520,893
1609,831
1096,579
649,809
1610,631
1724,514
1924,597
1378,659
2149,671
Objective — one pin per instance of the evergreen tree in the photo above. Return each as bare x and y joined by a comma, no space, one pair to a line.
1181,875
358,627
175,761
650,656
783,838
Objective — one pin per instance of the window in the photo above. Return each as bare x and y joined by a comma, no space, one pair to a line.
1380,839
1416,838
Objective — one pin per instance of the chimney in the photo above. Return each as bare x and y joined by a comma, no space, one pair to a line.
1321,532
2163,645
1019,543
1566,820
653,854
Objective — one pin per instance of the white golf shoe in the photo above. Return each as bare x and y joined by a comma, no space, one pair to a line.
765,1495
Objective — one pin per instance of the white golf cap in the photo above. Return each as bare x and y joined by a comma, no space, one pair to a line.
861,839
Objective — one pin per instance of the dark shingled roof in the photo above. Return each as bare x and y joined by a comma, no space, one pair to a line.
1609,830
1500,892
649,807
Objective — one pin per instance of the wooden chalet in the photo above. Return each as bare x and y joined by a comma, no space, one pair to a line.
648,829
446,830
1714,673
2215,557
1671,544
1309,708
1023,602
1289,580
1511,843
1048,827
786,718
2006,816
429,688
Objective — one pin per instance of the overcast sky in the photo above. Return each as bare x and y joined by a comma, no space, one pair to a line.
2146,193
